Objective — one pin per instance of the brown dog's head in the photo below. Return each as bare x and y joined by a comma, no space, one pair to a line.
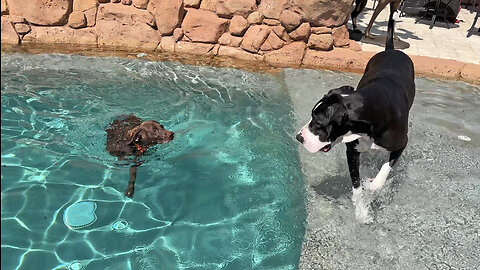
148,134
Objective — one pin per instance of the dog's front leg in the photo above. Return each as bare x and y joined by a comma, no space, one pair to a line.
382,175
131,182
353,159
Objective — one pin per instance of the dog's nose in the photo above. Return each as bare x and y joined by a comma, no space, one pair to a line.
300,138
171,135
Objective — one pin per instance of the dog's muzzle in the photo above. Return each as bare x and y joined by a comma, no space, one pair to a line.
300,138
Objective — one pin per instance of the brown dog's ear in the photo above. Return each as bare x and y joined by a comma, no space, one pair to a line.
133,134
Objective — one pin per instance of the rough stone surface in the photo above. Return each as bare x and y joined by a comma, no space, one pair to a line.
167,44
192,3
61,35
210,5
91,16
77,20
470,73
354,46
254,37
290,20
228,40
273,42
321,30
124,26
271,22
255,18
22,28
279,30
107,1
17,19
239,54
42,12
82,5
141,4
323,12
203,26
323,42
238,25
8,34
288,55
338,58
177,34
4,7
341,36
301,33
183,47
168,14
229,8
127,2
272,8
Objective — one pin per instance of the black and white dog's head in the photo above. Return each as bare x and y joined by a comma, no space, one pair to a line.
328,124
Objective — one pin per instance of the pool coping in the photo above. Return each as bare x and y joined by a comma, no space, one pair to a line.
338,59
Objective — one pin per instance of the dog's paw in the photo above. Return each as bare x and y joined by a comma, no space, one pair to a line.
374,184
129,193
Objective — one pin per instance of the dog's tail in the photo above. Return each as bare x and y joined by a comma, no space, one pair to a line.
391,25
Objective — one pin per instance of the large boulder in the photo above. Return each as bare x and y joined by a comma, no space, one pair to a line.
8,34
203,26
126,26
168,14
228,8
289,55
290,20
323,12
41,12
238,25
254,37
322,42
61,35
272,8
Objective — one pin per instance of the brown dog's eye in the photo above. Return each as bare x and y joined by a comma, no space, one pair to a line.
161,126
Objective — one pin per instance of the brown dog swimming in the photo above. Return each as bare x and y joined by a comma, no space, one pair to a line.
130,136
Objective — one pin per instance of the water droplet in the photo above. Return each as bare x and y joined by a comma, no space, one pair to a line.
119,225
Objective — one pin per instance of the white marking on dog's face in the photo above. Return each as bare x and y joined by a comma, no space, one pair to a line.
311,141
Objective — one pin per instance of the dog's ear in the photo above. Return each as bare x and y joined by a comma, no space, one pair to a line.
344,90
133,134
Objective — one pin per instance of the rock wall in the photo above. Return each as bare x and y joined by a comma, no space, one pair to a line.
276,31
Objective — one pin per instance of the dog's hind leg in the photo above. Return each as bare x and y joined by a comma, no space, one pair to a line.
131,182
359,6
382,175
381,5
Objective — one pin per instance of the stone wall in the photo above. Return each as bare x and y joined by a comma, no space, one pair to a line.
275,31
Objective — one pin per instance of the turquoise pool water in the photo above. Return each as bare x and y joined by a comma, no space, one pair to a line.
227,193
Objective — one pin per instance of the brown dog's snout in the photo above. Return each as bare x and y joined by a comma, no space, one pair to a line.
170,135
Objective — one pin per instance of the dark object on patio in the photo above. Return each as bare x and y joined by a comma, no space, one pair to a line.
470,31
442,8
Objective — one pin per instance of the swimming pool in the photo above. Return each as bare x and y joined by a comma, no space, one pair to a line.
227,193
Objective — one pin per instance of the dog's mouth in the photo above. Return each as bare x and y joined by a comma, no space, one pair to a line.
326,148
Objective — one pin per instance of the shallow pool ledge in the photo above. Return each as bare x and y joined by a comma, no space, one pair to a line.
338,59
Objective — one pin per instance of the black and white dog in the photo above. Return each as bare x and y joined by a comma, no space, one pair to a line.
375,116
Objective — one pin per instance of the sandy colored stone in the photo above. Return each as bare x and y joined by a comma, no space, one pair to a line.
273,42
272,8
4,7
17,19
228,40
290,20
470,73
229,8
301,33
203,26
290,55
8,33
141,4
41,12
210,5
278,29
167,44
254,37
321,30
238,54
443,68
337,59
124,26
238,25
115,1
77,20
271,22
60,35
323,12
255,18
127,2
82,5
22,28
192,3
322,42
341,37
190,48
168,14
91,16
354,46
177,34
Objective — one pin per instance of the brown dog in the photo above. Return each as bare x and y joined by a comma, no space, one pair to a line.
131,136
360,5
